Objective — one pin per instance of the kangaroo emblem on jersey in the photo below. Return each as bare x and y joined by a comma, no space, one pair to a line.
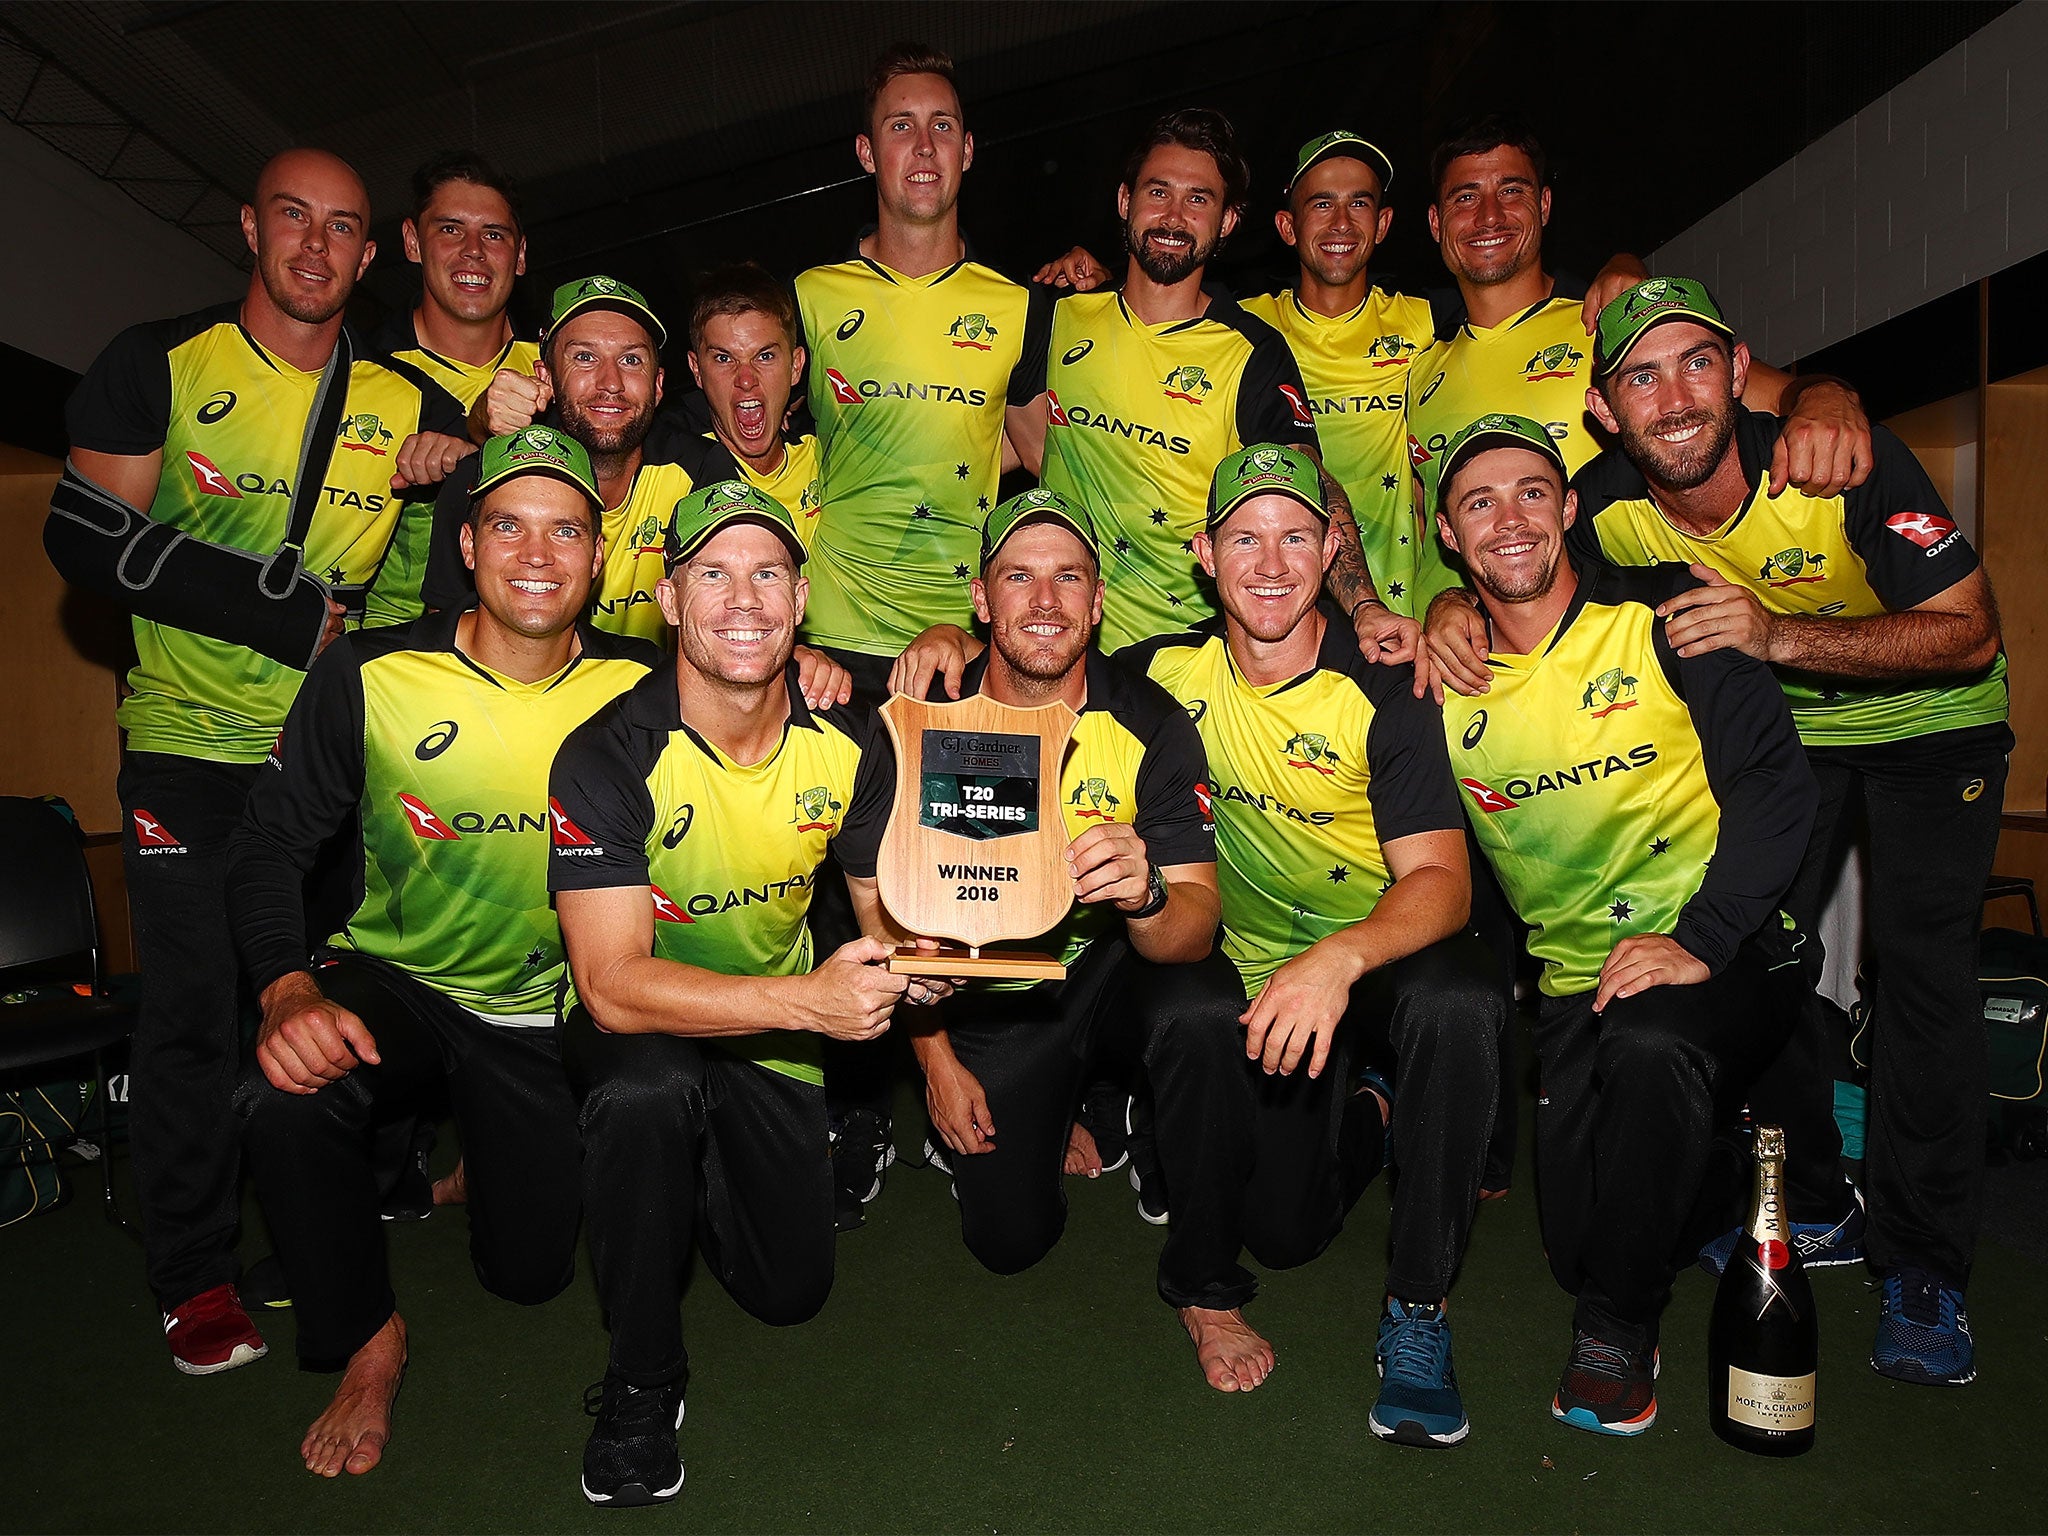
1788,563
968,330
1100,803
1616,687
363,433
814,808
1306,749
1388,350
648,535
1184,381
1558,362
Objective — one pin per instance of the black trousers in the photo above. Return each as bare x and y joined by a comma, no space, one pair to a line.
684,1145
314,1161
1029,1048
1931,805
186,1057
1626,1107
1434,1018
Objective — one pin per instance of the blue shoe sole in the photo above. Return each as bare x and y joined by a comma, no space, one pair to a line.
1411,1432
1918,1375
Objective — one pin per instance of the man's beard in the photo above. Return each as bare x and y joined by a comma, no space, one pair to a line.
1167,267
1029,657
1532,585
609,442
1684,466
308,309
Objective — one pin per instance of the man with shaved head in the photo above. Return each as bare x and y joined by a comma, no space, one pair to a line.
234,482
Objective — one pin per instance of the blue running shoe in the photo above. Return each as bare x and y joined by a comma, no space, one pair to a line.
1820,1245
1923,1333
1418,1402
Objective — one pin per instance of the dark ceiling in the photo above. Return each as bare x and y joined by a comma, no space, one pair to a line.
654,140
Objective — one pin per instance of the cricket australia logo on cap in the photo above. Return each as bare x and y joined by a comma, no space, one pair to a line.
1036,498
968,331
1652,292
732,490
1265,460
599,285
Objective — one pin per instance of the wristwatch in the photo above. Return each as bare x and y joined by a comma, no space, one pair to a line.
1155,899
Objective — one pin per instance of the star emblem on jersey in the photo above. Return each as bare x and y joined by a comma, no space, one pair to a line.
1660,845
814,810
1621,911
208,477
1123,545
1487,798
1614,686
365,433
961,572
981,502
1388,350
921,512
1394,588
1555,362
426,826
1783,569
1092,800
1308,749
1159,514
1388,482
665,908
1339,875
1188,383
968,330
535,958
961,471
1930,530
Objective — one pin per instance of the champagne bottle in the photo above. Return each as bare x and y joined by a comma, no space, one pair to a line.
1763,1343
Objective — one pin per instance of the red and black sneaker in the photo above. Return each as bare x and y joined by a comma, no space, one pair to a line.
212,1333
1607,1389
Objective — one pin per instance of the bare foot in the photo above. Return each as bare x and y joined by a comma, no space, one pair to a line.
351,1435
453,1188
1082,1154
1233,1355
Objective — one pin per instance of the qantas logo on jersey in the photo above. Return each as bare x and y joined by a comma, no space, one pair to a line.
1784,568
1555,362
1303,416
1271,805
1092,800
151,836
1487,798
1930,530
968,330
1185,382
712,903
1113,426
210,479
665,908
1616,688
1389,350
1417,454
848,393
1204,803
425,824
569,838
1358,405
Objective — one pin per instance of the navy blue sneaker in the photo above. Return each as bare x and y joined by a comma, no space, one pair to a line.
1923,1333
1819,1244
1418,1402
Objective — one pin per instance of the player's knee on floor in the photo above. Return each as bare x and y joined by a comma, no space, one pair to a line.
795,1294
1286,1238
526,1280
1010,1243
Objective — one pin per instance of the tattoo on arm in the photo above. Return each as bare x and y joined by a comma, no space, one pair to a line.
1348,580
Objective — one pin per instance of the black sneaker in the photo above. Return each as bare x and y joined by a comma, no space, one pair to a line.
1105,1115
411,1195
1147,1177
631,1457
263,1284
861,1153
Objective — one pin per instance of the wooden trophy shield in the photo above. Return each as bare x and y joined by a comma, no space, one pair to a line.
976,846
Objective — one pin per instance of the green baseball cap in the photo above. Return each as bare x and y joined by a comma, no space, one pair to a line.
1037,506
1264,469
709,508
1342,143
1625,320
536,451
588,293
1496,431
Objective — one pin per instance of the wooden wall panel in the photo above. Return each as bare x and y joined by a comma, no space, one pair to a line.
65,653
2015,545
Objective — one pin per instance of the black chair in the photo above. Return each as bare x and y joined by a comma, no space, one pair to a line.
49,943
2021,886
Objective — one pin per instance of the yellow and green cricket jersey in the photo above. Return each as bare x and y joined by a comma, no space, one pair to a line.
623,601
1881,547
1618,789
1357,369
442,765
1138,417
1134,760
394,598
229,418
1536,364
1310,779
727,852
794,483
908,380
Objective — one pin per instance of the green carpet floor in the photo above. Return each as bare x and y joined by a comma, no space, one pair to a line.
931,1396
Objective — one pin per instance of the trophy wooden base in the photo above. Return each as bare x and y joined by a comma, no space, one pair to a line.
976,964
